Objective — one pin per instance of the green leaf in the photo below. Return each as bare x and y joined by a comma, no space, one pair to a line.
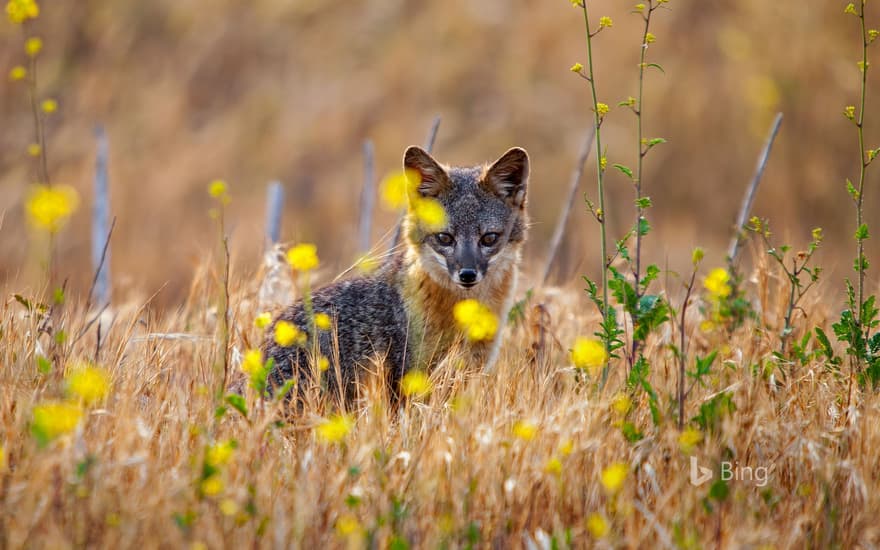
655,141
651,273
862,232
238,403
44,365
644,202
626,171
851,189
719,490
657,66
644,227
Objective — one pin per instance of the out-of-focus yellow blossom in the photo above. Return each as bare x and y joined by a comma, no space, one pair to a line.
17,73
49,208
622,404
605,22
303,257
525,430
689,439
219,454
3,460
49,106
219,190
475,319
640,7
263,320
850,8
576,68
718,283
603,162
322,321
553,466
597,525
397,187
34,149
228,507
335,429
697,255
323,363
287,334
347,525
650,38
589,354
55,418
872,35
613,477
198,545
849,112
88,384
252,362
20,11
602,109
33,46
212,486
415,383
429,212
566,447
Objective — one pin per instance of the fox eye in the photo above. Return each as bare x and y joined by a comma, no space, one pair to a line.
489,239
445,239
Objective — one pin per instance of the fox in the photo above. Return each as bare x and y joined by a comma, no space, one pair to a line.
401,315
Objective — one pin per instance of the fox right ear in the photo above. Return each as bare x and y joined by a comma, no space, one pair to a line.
433,180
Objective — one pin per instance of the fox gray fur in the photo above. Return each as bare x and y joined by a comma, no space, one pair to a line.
401,315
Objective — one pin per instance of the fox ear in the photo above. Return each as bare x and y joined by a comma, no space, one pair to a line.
508,176
433,180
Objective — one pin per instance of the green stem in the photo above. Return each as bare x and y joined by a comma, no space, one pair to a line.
860,249
600,173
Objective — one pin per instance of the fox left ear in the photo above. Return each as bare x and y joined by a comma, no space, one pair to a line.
508,176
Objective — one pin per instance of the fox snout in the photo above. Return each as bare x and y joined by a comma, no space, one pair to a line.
468,277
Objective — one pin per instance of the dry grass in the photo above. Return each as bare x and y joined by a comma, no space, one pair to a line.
440,473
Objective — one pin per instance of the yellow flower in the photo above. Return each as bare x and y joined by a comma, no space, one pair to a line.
219,190
415,383
17,73
2,459
49,208
220,454
640,7
49,106
650,38
850,8
263,320
597,525
429,212
603,162
622,404
602,109
33,46
55,418
872,35
303,257
613,477
718,283
689,439
20,11
553,466
589,354
525,430
576,68
849,112
287,334
566,447
334,429
252,362
212,486
322,321
697,256
347,525
34,149
475,319
228,507
605,21
323,363
88,384
397,187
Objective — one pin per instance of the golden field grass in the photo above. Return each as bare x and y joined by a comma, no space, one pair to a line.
509,459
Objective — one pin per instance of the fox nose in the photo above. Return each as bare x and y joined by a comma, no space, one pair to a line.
467,276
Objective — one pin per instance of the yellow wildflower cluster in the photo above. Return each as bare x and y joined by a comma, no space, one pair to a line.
849,112
323,321
219,190
53,419
20,11
476,320
525,430
263,320
602,109
49,106
400,189
87,384
850,9
429,212
605,22
718,283
577,68
303,257
287,334
597,525
689,439
589,354
33,46
49,208
415,383
220,454
334,429
17,73
252,363
650,38
613,476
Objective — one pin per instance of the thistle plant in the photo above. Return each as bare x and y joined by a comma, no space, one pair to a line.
856,323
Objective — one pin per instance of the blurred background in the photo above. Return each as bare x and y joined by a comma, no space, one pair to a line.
194,90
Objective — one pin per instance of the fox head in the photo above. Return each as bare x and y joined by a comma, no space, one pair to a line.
484,222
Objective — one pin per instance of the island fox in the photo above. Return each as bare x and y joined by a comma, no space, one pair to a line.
401,316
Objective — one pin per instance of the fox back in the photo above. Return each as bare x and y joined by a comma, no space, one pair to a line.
401,316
